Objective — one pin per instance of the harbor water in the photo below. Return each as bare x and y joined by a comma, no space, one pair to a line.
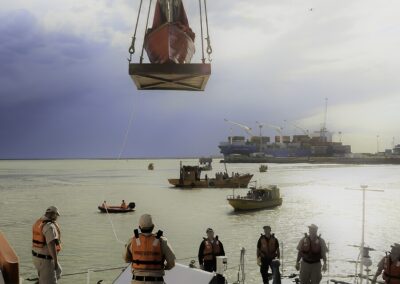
317,194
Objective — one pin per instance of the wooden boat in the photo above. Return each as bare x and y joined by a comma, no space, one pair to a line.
169,43
8,262
190,177
263,168
117,209
257,198
150,167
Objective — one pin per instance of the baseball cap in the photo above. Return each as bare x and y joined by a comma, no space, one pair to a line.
53,209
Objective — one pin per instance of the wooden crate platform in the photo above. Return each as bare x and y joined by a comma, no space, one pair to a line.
182,77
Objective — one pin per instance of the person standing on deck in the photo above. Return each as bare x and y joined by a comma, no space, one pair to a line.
46,244
209,249
268,255
390,266
149,254
311,249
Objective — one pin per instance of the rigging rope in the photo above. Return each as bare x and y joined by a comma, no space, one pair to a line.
145,31
132,47
126,133
113,228
209,48
201,30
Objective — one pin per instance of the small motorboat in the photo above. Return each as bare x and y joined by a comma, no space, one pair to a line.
263,168
9,269
257,198
117,209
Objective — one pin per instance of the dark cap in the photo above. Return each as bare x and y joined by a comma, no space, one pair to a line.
267,227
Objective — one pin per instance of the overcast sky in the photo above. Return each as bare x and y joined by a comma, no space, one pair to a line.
65,89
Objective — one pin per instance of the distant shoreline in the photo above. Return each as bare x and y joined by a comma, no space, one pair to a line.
124,158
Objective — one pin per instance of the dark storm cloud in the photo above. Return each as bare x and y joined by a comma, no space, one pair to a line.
49,82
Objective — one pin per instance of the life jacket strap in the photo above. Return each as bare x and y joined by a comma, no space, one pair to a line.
154,262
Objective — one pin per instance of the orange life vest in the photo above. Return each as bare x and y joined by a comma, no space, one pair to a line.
211,249
391,272
268,246
146,252
38,239
311,250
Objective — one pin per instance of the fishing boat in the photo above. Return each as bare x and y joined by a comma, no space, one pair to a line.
263,168
257,198
190,177
117,209
9,268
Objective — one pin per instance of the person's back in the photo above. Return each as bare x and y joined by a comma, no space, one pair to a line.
123,205
149,254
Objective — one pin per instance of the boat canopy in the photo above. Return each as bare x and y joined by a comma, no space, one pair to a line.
169,45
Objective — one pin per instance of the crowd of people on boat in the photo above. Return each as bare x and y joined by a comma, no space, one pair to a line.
150,254
225,175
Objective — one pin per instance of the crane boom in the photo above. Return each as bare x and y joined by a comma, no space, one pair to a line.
244,127
277,129
305,131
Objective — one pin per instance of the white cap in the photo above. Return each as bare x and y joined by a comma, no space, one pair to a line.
53,209
145,221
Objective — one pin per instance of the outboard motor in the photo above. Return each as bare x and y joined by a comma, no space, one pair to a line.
131,205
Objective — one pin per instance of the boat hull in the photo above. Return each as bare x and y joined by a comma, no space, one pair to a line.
241,204
115,210
235,182
169,44
8,261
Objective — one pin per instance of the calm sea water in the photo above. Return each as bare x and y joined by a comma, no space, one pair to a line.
312,194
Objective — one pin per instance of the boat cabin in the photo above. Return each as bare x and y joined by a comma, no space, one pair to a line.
269,193
190,173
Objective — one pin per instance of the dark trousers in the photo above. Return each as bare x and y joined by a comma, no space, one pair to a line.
266,263
210,265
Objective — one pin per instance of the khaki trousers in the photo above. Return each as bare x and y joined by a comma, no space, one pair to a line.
310,273
45,269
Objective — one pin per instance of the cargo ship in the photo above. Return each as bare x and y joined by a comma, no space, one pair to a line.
317,147
319,144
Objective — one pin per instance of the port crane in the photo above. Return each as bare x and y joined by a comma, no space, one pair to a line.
276,128
244,127
305,131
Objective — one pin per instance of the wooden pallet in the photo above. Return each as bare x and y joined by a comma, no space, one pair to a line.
182,77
